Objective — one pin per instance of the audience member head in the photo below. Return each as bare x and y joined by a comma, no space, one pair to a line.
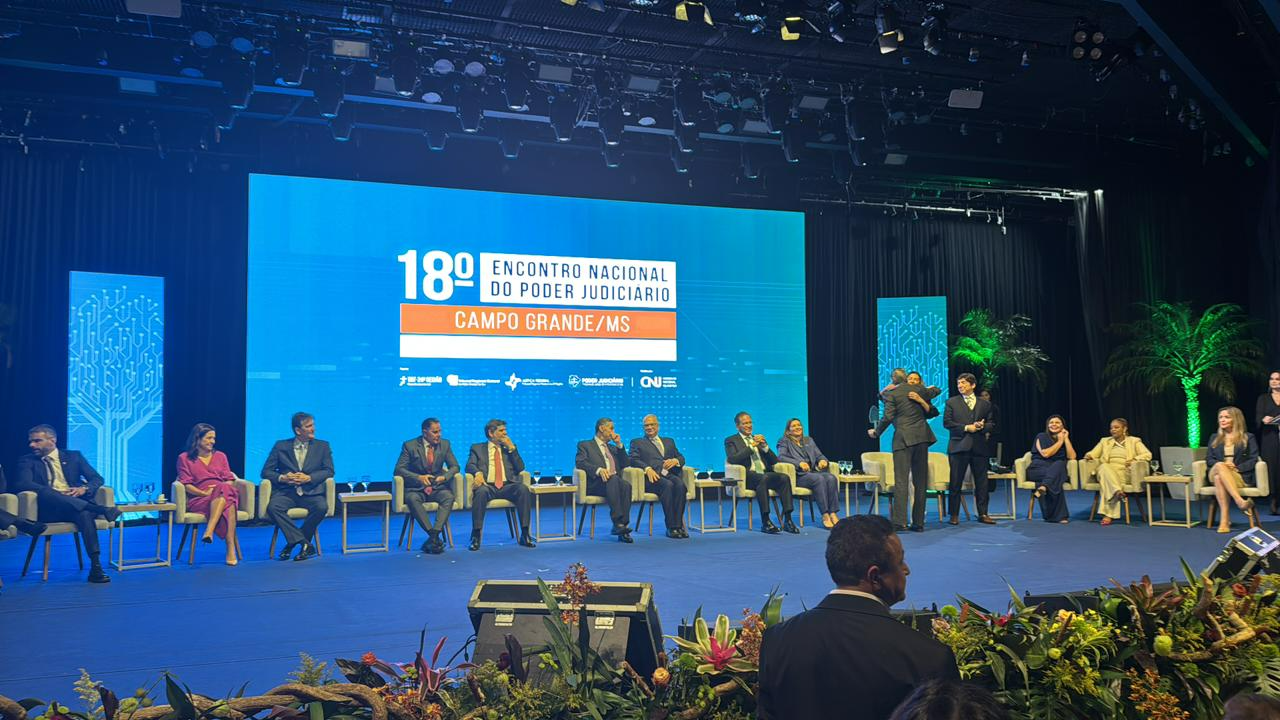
304,426
1252,706
202,439
898,376
495,429
863,553
949,700
1119,428
743,421
915,378
965,383
1054,425
42,439
794,430
1231,427
431,430
985,394
1273,381
650,424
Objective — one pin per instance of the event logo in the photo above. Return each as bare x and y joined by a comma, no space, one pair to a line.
658,382
574,381
512,381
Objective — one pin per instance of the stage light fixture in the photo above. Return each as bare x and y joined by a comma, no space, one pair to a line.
443,65
473,65
559,74
777,106
612,156
973,55
720,91
518,81
243,44
750,11
728,120
433,90
841,168
750,163
688,98
606,86
935,28
644,84
330,88
237,81
812,102
830,127
686,138
470,107
291,52
509,143
754,126
1086,40
642,4
791,143
748,96
679,160
647,113
889,35
224,117
202,35
564,115
840,22
343,47
609,118
683,8
434,132
853,126
342,125
1026,59
791,27
404,68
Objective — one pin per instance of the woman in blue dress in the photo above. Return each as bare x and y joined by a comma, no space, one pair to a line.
1049,468
811,470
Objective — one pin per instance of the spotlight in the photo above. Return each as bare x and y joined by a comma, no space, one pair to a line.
343,123
237,82
345,47
404,68
829,128
642,4
612,156
202,34
888,29
509,143
750,163
1086,40
291,53
777,106
471,108
330,87
684,6
243,44
473,66
647,113
224,116
609,119
720,90
852,124
679,159
686,138
564,115
434,132
840,23
750,11
518,81
791,143
728,120
748,96
935,28
443,65
433,90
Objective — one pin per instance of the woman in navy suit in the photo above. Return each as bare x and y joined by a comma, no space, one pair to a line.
1232,457
811,470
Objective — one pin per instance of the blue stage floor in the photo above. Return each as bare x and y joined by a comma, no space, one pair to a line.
216,627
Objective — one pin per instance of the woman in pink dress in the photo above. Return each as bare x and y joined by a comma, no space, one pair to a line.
211,487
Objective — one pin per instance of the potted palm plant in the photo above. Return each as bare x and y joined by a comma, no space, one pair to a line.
989,345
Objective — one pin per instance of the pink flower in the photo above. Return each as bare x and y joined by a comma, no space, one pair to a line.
1002,621
720,656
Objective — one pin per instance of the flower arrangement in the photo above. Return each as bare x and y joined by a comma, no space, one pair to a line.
1166,653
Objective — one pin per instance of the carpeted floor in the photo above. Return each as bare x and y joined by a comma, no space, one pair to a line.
216,627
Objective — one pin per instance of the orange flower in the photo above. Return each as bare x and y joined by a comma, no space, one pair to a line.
661,677
368,658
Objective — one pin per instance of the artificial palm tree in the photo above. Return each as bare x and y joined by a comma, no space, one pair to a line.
990,345
1169,344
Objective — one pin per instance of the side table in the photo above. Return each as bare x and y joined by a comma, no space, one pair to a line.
701,486
383,497
569,508
1012,479
116,537
855,480
1168,480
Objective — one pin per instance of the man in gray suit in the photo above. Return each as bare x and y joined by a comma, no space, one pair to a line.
907,406
427,466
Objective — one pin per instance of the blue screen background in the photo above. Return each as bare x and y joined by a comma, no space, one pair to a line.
325,288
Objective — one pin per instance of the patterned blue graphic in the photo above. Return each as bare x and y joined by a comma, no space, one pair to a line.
115,389
911,333
326,282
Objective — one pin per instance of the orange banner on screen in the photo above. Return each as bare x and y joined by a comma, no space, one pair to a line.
536,322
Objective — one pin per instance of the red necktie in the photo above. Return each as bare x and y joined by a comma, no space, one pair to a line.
497,470
431,457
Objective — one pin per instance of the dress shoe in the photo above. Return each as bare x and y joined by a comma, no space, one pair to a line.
111,514
789,526
619,530
899,528
684,534
986,520
307,552
437,547
674,534
475,541
526,539
97,575
955,520
32,527
768,528
917,528
625,537
286,552
425,546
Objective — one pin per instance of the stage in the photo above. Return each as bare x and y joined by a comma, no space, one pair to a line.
216,627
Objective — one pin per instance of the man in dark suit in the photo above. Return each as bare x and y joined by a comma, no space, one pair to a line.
753,453
602,458
907,406
968,417
298,467
662,464
848,658
422,464
8,519
65,485
496,466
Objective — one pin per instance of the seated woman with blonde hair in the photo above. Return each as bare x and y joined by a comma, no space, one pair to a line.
1116,454
1231,458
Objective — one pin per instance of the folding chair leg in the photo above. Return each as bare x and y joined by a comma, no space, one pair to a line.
593,521
1093,511
47,542
271,551
1126,510
79,555
404,528
30,551
940,498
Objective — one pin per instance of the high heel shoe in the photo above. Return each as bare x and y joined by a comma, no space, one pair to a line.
206,539
1224,530
1040,491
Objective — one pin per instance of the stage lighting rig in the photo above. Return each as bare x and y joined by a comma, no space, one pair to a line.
564,114
509,142
517,80
791,143
935,28
291,52
688,98
330,89
686,138
750,11
404,67
684,7
680,160
237,75
750,162
1086,40
609,118
612,156
840,21
470,105
778,101
343,123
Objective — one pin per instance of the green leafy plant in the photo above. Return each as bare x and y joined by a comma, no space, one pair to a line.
311,671
990,345
1170,344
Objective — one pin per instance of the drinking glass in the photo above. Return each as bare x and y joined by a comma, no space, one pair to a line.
1177,467
364,483
351,484
537,477
1155,467
147,491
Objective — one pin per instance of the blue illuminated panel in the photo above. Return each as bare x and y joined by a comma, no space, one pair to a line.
911,333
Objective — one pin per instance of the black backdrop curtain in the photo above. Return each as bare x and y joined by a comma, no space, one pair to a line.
121,214
124,213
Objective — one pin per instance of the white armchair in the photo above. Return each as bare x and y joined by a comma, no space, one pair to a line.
646,499
1134,484
400,506
28,509
800,494
496,503
1203,489
880,464
244,513
264,499
1022,464
9,504
741,492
